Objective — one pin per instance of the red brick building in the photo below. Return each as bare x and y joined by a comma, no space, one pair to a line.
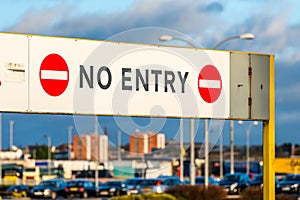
90,147
141,143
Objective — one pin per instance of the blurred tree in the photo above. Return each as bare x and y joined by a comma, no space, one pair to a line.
39,152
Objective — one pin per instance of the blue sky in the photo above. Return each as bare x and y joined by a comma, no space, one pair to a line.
276,26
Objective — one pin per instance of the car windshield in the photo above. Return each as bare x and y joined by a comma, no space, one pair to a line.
149,182
134,181
29,170
11,188
200,180
48,183
231,178
112,183
75,183
258,178
292,178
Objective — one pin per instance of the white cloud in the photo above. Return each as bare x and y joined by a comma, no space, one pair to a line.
288,117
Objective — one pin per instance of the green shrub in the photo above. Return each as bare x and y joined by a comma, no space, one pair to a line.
196,192
256,193
162,196
129,197
151,196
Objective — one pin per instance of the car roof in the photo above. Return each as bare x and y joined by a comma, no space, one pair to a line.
53,180
78,180
135,178
237,173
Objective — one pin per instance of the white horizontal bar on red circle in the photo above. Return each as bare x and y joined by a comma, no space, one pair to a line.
209,83
54,75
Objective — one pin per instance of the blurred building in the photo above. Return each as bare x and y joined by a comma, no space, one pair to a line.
144,143
14,154
90,147
62,152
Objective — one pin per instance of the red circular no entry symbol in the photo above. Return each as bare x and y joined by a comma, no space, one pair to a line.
54,75
209,83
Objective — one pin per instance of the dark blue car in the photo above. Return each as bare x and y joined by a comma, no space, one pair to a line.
235,183
258,181
201,179
80,187
16,191
49,189
132,185
112,188
290,184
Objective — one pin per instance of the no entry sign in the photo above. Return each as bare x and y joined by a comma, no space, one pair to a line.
83,77
54,75
209,83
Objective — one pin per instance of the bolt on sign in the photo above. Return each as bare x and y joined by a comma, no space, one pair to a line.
57,75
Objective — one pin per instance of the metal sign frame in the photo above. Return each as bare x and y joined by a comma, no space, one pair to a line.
268,124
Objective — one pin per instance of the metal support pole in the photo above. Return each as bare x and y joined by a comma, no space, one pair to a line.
181,149
96,142
221,155
269,142
49,154
248,150
11,131
192,158
231,146
206,170
96,178
69,142
119,146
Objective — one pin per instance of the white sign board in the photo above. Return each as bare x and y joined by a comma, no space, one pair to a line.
13,73
64,75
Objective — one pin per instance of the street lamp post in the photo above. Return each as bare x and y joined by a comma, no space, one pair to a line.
247,36
49,153
11,131
221,155
248,128
69,141
192,152
231,146
119,145
181,149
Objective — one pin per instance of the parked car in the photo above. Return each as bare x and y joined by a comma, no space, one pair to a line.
158,185
112,188
49,189
201,179
235,183
259,182
167,176
163,184
290,184
147,185
16,191
132,185
82,188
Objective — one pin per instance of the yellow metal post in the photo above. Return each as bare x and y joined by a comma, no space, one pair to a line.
269,142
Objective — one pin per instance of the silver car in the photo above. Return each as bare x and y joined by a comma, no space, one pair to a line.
158,185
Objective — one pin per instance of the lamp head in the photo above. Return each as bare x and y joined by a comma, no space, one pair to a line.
166,38
247,36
